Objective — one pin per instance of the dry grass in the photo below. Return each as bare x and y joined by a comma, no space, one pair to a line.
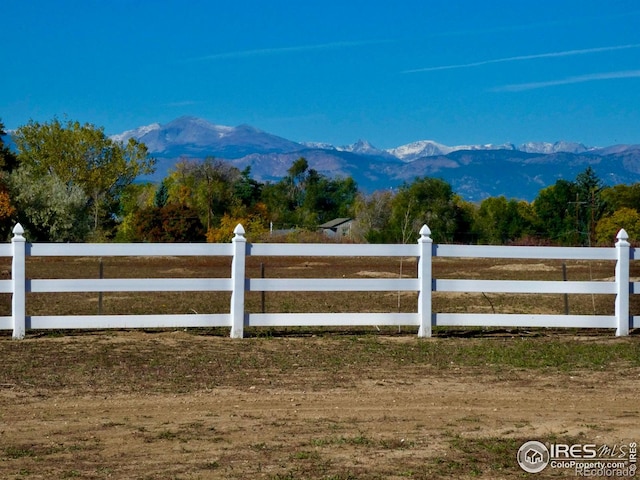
197,405
283,267
308,403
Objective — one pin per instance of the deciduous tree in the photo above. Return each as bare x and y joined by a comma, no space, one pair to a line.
171,223
609,226
82,156
499,221
306,198
207,186
372,216
427,201
49,209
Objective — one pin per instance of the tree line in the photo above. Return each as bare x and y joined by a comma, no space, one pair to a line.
68,181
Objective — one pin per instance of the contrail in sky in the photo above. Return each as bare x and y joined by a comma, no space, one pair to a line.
281,50
519,58
520,87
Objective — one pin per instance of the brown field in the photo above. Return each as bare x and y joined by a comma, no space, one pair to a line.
309,403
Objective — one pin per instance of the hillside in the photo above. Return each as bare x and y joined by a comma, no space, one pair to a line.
474,171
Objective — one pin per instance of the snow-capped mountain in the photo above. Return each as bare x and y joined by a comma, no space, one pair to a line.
421,148
195,132
474,171
190,135
362,147
546,148
319,145
135,133
429,148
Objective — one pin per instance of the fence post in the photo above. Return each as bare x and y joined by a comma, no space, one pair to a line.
622,283
424,276
19,287
237,282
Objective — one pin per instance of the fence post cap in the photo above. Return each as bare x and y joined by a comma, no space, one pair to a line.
239,230
622,235
18,231
425,231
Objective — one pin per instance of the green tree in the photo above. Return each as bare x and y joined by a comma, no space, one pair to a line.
50,209
557,212
324,199
134,198
500,221
426,201
306,198
608,227
247,190
206,186
280,210
83,156
161,197
295,181
8,160
591,206
619,196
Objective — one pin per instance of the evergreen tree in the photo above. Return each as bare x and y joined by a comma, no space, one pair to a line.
8,160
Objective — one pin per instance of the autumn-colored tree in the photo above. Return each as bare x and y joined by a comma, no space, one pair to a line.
134,198
7,209
608,227
7,214
252,220
171,223
206,186
82,156
252,224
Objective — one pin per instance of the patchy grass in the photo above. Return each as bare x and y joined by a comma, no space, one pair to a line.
321,267
307,403
175,404
196,360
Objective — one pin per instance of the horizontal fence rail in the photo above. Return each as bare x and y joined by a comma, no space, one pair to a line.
238,284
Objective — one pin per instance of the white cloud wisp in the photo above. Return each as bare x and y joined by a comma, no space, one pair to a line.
593,77
519,58
284,50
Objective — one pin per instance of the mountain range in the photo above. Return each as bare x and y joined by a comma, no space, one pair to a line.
474,171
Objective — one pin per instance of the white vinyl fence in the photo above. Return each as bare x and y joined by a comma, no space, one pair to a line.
237,283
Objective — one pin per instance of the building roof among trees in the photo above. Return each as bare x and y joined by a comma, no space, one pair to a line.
336,222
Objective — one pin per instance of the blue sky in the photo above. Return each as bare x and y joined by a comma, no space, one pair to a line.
390,72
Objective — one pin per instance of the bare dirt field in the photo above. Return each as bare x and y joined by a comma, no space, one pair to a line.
302,403
331,405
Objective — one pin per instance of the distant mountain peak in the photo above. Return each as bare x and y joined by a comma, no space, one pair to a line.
195,136
421,148
474,171
361,146
556,147
135,133
319,145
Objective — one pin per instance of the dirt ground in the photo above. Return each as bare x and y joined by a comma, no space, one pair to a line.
178,405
